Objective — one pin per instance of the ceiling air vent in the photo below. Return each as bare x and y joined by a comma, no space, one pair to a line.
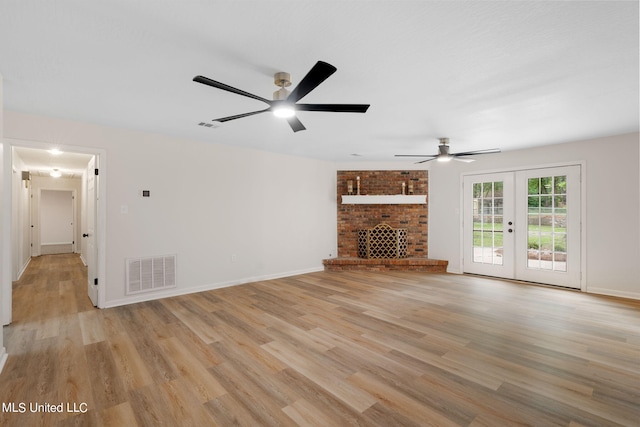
208,125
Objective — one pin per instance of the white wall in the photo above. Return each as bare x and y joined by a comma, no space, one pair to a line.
20,219
612,206
5,244
275,213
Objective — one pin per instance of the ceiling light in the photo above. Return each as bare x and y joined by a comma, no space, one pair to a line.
284,110
55,152
444,158
55,173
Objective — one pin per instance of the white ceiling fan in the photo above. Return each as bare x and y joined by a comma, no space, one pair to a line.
444,155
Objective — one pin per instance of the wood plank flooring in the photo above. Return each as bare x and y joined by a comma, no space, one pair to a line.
322,349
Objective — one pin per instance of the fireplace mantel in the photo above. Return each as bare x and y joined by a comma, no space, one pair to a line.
392,199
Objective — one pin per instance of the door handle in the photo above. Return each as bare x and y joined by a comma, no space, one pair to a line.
85,235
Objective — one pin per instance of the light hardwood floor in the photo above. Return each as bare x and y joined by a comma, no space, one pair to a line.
323,349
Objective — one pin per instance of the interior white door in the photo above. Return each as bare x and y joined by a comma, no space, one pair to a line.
524,225
56,221
90,234
488,224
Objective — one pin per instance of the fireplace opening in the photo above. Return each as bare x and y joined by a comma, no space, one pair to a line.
382,242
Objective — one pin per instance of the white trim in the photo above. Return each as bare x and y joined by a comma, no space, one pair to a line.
6,252
177,292
24,268
614,293
391,199
3,357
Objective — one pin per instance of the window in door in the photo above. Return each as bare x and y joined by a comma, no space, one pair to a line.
488,245
547,223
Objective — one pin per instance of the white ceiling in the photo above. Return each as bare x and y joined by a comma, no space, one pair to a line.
485,74
42,162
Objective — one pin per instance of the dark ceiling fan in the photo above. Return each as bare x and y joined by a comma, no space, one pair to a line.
444,155
284,103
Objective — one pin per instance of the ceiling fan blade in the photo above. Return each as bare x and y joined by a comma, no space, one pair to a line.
239,116
473,153
415,155
207,81
426,160
463,160
335,108
319,73
295,124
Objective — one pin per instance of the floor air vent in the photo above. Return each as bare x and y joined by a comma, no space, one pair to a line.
150,274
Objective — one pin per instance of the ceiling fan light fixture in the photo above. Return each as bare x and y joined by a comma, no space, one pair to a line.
444,158
284,111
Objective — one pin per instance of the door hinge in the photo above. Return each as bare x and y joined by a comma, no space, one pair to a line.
95,281
96,171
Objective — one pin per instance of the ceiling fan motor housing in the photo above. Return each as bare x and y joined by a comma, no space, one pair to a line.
282,79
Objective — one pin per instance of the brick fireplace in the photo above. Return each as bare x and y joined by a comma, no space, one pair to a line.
412,216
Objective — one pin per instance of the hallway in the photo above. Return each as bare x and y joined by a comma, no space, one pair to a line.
52,286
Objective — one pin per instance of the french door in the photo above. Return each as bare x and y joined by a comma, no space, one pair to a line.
524,225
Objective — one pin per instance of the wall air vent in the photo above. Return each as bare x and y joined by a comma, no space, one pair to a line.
150,274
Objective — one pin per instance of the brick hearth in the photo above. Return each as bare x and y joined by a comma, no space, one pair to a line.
403,264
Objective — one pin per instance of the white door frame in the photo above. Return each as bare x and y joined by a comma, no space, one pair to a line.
583,209
5,280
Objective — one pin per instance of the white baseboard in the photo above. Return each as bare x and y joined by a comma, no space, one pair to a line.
613,293
83,260
3,357
24,267
177,291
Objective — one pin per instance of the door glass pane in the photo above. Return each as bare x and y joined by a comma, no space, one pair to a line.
547,223
487,222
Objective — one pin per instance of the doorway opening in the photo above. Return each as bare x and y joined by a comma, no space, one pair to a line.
525,225
41,223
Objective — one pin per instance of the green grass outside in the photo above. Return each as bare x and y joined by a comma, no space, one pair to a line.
540,236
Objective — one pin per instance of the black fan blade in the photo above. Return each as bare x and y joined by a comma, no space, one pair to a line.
295,124
335,108
319,73
239,116
207,81
427,160
473,153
